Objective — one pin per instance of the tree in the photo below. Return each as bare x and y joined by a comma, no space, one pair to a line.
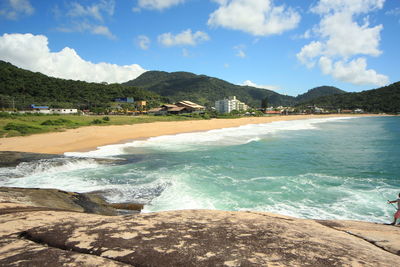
264,103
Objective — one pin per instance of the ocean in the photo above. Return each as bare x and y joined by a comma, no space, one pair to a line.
326,168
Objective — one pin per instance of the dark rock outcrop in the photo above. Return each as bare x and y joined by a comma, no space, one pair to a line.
13,158
54,199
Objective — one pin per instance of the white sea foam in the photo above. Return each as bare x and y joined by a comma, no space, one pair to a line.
48,166
203,140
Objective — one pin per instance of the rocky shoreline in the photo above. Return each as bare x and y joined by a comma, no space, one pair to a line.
48,227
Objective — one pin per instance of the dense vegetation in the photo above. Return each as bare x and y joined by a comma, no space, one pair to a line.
204,90
385,99
20,88
319,92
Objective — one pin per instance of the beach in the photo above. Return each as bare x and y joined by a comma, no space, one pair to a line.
90,137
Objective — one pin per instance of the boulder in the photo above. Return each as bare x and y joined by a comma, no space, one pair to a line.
54,199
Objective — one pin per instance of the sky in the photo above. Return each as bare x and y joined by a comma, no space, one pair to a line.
287,46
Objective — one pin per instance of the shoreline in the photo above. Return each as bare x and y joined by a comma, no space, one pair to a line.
91,137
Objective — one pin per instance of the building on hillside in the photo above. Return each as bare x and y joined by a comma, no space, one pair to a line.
124,100
39,109
47,110
190,106
178,108
63,111
141,105
229,104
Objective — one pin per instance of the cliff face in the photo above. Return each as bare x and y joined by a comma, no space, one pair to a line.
42,237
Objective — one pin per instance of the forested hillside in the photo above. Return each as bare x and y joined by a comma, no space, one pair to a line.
384,99
204,90
319,92
21,88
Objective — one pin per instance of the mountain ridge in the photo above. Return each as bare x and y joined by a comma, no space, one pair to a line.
319,91
27,87
204,89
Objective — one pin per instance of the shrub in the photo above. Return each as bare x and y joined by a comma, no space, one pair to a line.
96,121
60,121
106,118
206,116
21,128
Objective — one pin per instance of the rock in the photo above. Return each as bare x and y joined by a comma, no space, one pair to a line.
189,238
13,158
54,199
127,206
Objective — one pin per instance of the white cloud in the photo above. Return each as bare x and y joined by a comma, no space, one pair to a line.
354,71
309,52
257,17
89,18
184,38
103,30
157,4
240,51
268,87
32,52
87,27
341,40
393,12
351,6
345,37
12,9
143,42
95,10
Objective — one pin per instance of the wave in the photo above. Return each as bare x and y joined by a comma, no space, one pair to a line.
311,195
203,140
50,166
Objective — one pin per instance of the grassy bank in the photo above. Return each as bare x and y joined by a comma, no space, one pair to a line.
17,125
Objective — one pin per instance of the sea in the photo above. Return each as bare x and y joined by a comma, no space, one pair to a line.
323,168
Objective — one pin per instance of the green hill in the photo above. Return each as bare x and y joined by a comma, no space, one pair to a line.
319,92
204,90
25,87
384,99
21,88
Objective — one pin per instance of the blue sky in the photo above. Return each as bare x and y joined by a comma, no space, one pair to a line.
288,46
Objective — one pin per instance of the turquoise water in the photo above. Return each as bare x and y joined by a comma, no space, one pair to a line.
322,168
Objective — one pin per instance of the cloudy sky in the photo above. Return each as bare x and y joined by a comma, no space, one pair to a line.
287,46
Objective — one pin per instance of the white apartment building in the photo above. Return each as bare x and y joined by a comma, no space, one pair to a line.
229,104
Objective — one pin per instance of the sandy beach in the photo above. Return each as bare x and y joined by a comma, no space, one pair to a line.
91,137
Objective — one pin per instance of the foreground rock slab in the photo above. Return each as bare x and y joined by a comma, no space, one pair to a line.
187,238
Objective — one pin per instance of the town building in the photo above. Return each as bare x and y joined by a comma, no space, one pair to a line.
63,111
190,106
177,108
141,105
46,110
229,104
124,100
39,109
